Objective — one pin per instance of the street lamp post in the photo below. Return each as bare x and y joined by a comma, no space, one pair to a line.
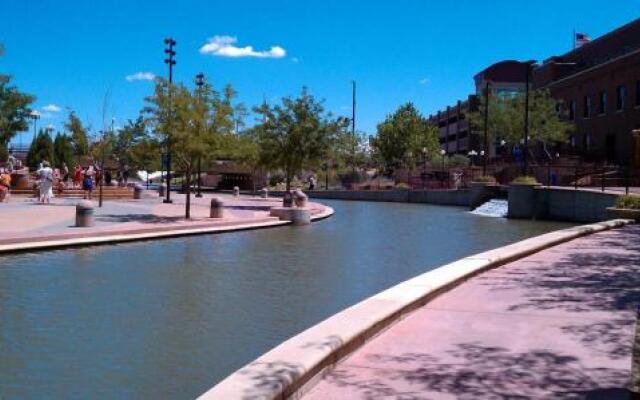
528,66
35,115
200,83
486,126
443,153
424,166
170,61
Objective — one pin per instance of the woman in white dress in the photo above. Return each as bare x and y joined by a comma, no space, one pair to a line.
46,182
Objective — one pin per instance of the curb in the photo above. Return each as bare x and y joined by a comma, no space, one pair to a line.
291,368
129,237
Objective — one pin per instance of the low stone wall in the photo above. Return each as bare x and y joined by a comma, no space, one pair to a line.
562,204
440,197
290,369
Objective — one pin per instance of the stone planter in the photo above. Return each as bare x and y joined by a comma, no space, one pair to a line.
522,200
623,213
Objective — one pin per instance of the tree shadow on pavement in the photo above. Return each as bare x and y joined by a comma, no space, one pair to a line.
143,218
475,371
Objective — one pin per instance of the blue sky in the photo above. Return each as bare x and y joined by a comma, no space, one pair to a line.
72,53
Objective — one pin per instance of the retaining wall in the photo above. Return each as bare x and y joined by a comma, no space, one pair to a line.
564,204
440,197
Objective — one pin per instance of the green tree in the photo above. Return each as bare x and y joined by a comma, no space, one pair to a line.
547,121
62,151
128,138
404,138
41,149
179,118
296,134
79,136
14,112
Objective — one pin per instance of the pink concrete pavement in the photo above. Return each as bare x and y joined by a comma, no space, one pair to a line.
25,220
557,324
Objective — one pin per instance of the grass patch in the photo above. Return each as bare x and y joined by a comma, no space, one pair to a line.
525,180
628,201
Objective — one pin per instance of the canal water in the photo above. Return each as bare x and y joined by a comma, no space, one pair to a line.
170,318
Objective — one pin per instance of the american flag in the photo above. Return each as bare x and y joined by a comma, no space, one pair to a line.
582,39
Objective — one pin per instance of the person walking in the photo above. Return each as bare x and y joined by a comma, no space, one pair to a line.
87,182
65,173
77,176
45,174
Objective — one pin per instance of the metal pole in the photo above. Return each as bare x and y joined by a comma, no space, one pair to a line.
526,118
486,127
200,83
171,62
353,124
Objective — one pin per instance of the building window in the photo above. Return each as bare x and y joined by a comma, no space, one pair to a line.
603,102
572,110
586,107
638,93
621,94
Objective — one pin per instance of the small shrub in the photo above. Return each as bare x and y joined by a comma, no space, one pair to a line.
525,180
402,186
628,201
484,179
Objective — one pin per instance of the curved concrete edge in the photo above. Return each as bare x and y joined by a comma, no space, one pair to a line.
290,369
130,237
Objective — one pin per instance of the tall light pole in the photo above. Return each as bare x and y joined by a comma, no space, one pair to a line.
170,61
486,127
528,66
199,84
353,125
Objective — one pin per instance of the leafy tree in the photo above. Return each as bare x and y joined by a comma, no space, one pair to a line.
404,138
41,149
506,119
79,136
296,134
179,118
14,112
127,139
62,151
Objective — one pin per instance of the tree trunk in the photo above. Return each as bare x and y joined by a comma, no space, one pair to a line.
288,180
187,206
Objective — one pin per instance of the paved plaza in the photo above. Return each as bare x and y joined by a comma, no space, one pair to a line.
557,324
24,219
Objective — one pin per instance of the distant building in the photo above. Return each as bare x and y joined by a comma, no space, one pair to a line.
598,83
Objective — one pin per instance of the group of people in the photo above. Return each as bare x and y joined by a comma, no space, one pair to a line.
83,178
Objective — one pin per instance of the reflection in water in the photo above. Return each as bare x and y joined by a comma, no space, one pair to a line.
170,318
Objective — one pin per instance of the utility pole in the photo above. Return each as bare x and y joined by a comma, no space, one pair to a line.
199,84
486,128
528,65
353,125
170,43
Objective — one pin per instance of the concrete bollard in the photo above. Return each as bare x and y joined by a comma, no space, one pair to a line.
84,214
264,193
297,216
137,191
300,198
162,190
217,210
236,191
287,199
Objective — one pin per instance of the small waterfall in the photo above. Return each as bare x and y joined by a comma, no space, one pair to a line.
493,208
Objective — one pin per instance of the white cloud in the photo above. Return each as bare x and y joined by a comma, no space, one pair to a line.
52,108
423,81
141,76
224,46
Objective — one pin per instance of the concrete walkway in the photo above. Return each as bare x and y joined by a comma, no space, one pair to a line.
24,220
557,324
